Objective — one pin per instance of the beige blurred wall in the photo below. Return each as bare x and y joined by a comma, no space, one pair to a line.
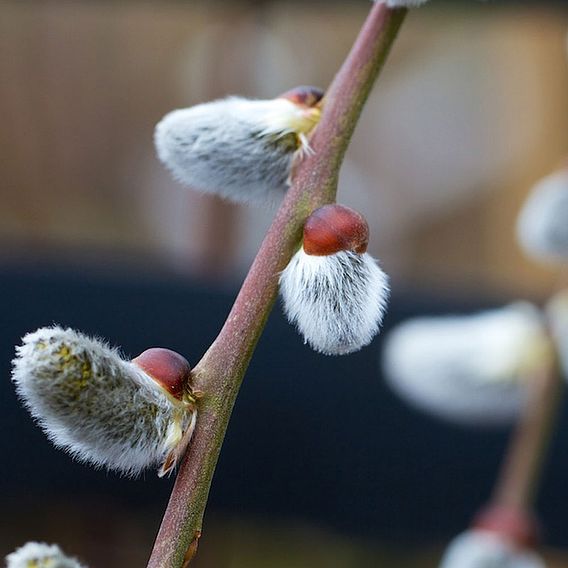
470,111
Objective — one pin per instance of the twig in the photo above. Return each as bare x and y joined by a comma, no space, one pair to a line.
523,464
220,372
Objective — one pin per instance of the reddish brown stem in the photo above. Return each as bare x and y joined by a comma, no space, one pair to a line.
220,372
522,467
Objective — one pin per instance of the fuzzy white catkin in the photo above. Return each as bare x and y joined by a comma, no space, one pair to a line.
336,301
483,549
466,369
40,555
542,226
94,404
237,148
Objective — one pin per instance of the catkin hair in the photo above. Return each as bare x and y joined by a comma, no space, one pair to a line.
336,301
91,402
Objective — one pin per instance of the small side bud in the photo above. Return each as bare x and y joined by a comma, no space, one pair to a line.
306,96
467,369
333,228
542,226
169,369
40,555
333,291
476,548
101,408
237,148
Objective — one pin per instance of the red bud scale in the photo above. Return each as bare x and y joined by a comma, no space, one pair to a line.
168,368
512,524
333,228
306,96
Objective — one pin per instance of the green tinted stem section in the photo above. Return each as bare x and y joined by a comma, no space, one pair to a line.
221,370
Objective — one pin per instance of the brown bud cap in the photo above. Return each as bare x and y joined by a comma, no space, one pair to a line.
333,228
515,525
168,368
304,96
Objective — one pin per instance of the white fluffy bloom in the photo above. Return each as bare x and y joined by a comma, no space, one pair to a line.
237,148
336,301
483,549
467,369
91,402
542,226
40,555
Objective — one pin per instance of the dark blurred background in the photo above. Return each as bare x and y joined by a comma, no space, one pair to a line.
322,465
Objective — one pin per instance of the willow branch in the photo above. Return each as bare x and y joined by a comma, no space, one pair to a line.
220,372
522,468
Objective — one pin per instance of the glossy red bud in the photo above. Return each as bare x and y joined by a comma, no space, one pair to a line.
515,525
304,96
168,368
333,228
